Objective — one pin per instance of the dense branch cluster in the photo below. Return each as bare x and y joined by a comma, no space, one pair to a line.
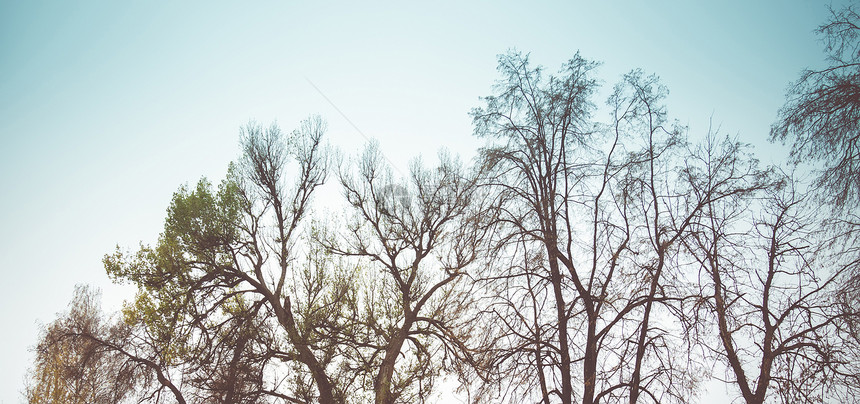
591,254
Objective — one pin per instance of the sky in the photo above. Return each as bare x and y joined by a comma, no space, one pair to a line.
107,107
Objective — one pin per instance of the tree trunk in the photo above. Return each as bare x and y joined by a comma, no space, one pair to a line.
382,383
324,385
561,315
589,363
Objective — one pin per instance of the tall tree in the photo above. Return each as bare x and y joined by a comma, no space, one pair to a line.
821,121
538,124
419,238
227,262
591,226
821,117
769,270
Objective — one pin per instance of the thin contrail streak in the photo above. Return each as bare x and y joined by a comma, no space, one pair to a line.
354,126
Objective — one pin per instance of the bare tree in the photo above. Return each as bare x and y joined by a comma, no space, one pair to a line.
591,227
537,125
419,238
769,270
821,114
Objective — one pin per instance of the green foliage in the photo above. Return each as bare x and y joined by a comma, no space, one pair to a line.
201,223
200,227
71,367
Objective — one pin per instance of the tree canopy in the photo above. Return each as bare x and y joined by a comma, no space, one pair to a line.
586,255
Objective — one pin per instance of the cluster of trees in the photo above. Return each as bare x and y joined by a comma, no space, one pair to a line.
579,260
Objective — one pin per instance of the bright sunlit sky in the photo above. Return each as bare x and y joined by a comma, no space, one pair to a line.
107,107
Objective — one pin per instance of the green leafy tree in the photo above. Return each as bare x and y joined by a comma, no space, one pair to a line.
218,283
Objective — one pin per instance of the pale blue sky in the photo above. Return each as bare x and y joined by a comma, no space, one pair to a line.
107,107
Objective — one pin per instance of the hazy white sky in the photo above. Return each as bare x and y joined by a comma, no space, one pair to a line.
107,107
